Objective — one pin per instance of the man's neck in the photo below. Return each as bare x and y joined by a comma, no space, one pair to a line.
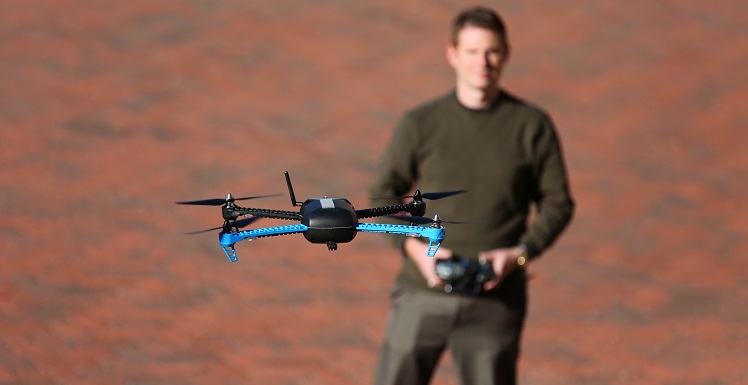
477,99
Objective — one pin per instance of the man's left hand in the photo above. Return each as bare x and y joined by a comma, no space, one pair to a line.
503,260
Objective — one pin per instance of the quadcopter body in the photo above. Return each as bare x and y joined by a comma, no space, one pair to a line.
326,220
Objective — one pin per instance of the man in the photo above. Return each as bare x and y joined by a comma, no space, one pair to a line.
506,153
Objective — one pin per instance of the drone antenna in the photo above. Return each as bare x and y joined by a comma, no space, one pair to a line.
290,190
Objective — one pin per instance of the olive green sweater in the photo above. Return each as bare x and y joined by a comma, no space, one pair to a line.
507,156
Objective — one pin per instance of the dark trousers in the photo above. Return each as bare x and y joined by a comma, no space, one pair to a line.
483,335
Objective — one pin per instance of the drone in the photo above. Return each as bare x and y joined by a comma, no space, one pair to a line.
325,220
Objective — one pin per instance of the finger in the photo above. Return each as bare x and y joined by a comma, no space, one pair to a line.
443,256
491,284
443,253
434,282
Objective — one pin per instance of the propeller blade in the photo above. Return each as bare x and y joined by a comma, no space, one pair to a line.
418,220
257,196
430,196
202,231
425,220
204,202
236,224
439,195
222,201
241,223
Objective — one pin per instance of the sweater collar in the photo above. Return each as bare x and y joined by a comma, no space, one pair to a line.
491,107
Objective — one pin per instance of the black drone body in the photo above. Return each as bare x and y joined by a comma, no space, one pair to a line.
325,220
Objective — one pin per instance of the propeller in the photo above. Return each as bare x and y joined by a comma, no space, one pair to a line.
429,195
425,221
221,201
235,224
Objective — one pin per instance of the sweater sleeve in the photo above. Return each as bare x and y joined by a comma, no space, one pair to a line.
398,168
554,203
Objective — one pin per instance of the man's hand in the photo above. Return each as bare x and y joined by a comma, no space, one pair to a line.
504,261
416,250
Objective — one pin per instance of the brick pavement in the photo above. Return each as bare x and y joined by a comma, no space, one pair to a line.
110,111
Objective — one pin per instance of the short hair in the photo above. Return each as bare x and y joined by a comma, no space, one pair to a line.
481,17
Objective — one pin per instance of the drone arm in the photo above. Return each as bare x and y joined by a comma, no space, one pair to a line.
435,234
416,208
227,240
237,211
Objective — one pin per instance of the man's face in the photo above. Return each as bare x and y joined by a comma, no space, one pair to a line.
477,58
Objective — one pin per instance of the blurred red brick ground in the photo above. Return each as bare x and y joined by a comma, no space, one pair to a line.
110,111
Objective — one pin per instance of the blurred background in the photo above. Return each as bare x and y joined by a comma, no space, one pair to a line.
110,111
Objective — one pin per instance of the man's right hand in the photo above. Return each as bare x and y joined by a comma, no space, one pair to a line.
416,250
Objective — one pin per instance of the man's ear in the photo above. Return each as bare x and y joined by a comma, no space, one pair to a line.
451,52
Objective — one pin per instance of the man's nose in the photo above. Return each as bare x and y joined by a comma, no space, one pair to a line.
486,60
